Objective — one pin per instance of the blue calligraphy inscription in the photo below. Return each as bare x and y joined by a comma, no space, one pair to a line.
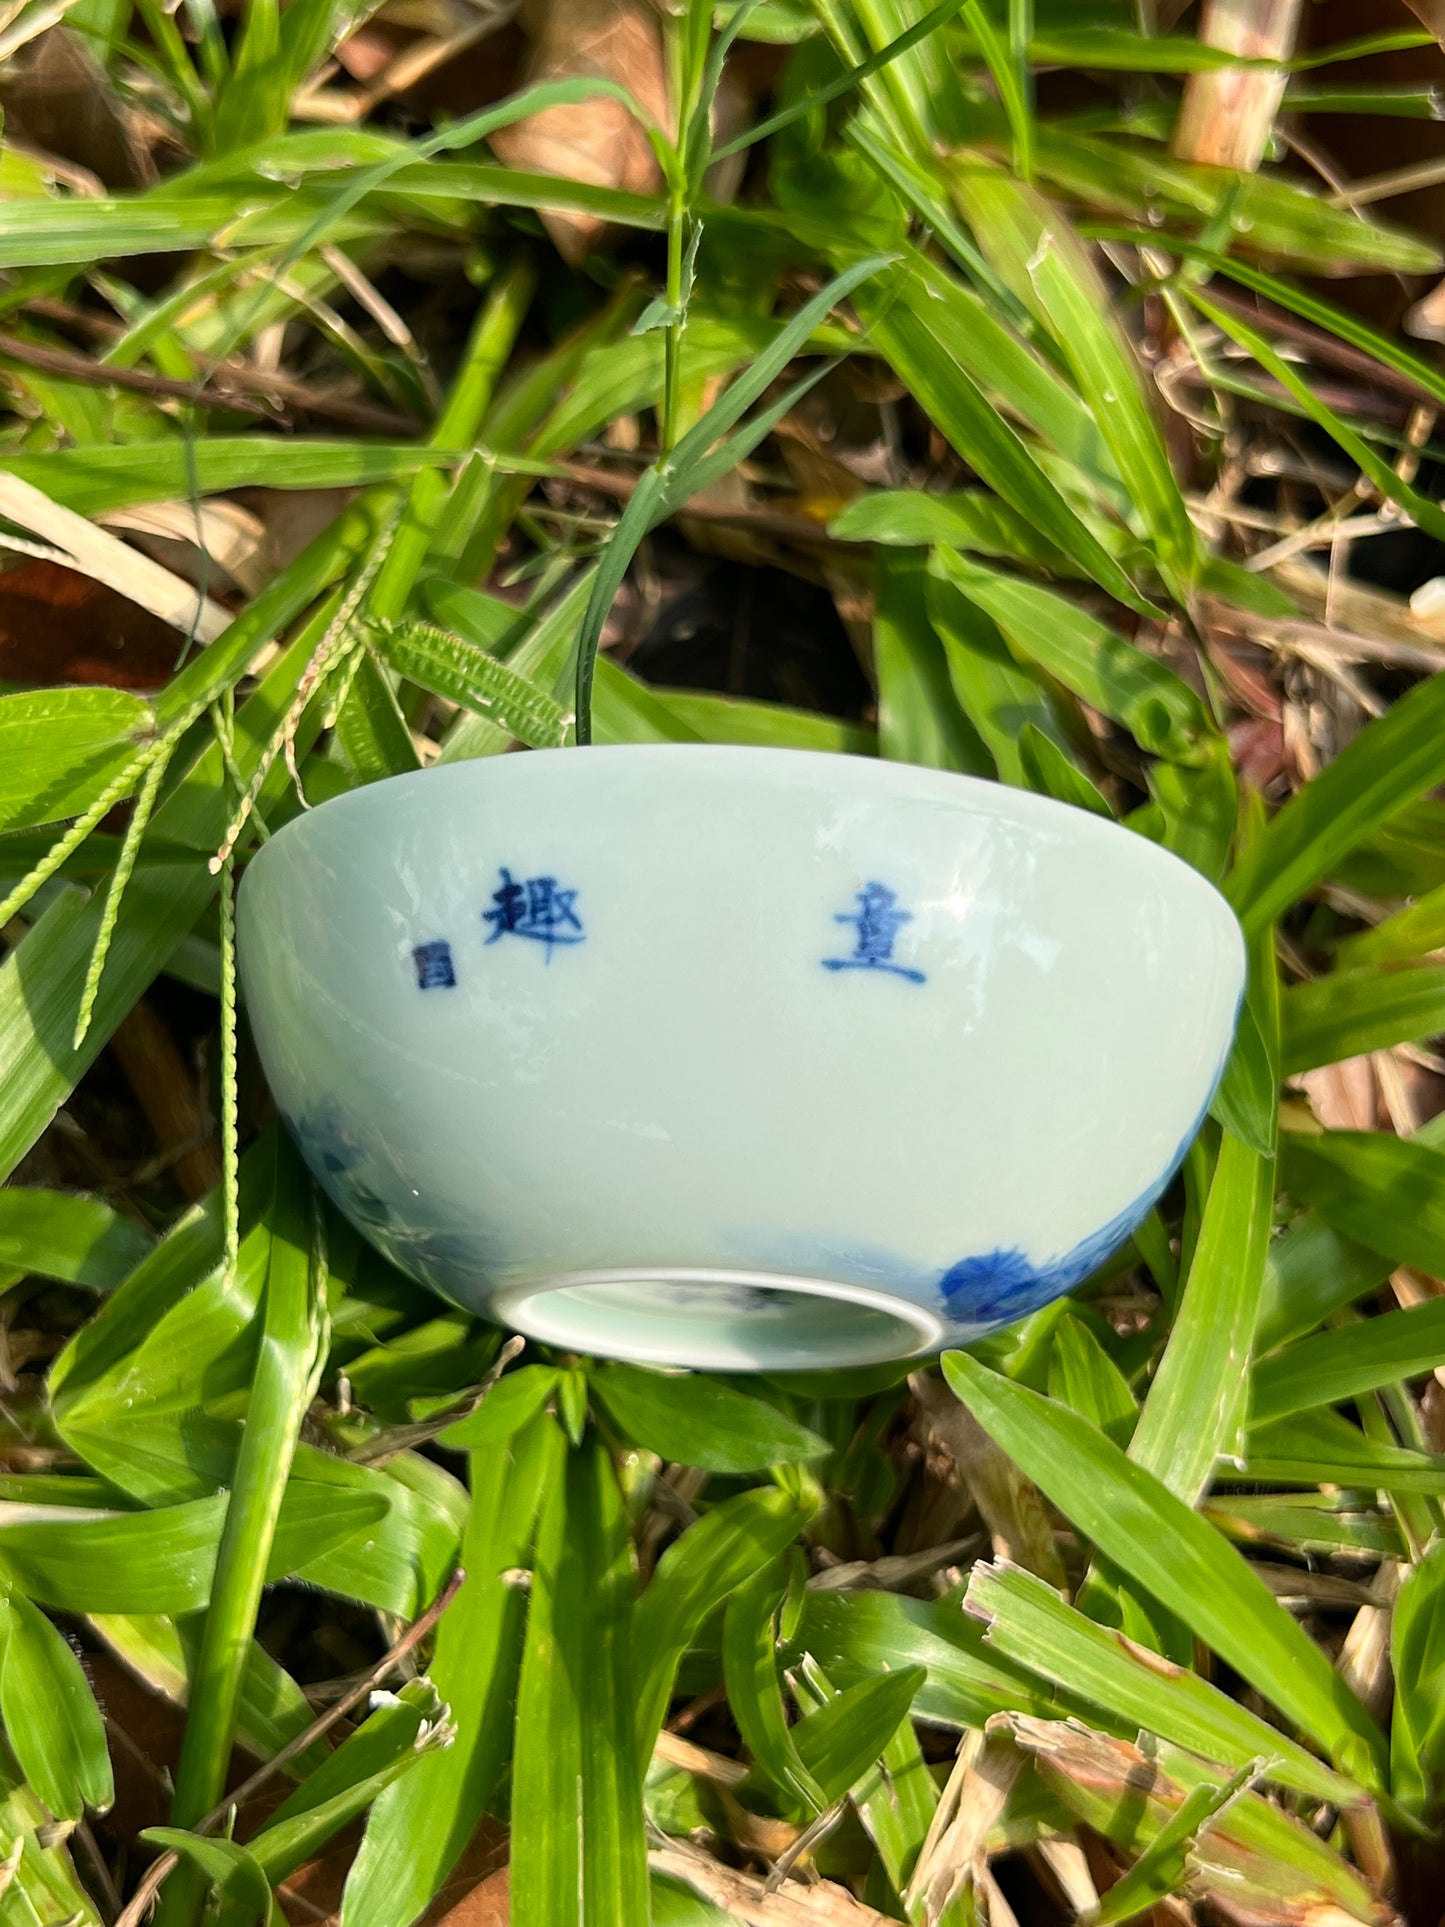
434,967
537,909
877,922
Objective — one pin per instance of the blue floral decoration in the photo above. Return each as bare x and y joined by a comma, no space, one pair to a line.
999,1287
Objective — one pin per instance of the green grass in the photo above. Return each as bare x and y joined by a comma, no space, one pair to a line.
244,1455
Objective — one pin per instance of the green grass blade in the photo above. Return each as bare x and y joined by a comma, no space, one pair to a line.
1351,1012
1162,712
60,748
119,786
229,1870
854,1636
647,503
967,519
1084,1377
1310,306
1247,1101
999,695
695,460
726,1547
1354,1358
370,727
252,103
1274,216
1321,1447
926,327
1166,1863
420,1827
92,481
839,1741
1046,768
51,1720
1035,251
1194,1414
1028,1622
57,1234
1387,1192
1417,1653
1008,66
1423,512
844,83
750,385
695,1419
291,1352
579,1859
755,1700
921,718
1176,1556
1410,933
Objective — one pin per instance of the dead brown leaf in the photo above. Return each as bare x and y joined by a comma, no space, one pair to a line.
487,1904
57,625
823,1904
1126,1792
57,98
169,1093
1431,14
1012,1506
955,1851
598,141
1342,1096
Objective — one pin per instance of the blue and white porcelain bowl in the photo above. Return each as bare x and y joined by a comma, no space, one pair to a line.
735,1058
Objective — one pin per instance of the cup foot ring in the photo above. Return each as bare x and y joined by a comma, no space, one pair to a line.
723,1321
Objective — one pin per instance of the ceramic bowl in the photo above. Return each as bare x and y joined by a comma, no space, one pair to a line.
735,1058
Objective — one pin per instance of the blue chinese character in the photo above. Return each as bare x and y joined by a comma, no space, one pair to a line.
877,923
434,967
536,909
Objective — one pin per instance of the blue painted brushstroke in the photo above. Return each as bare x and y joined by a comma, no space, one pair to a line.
999,1287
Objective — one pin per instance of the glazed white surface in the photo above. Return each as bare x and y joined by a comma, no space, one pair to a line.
686,1085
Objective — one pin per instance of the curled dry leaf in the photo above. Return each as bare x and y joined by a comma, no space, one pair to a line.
71,540
199,541
747,1899
598,141
955,1850
1236,1862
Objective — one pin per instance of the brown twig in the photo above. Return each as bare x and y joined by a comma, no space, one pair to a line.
404,1438
150,1882
97,374
272,392
1322,346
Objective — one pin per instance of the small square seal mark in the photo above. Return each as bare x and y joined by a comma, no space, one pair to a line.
434,967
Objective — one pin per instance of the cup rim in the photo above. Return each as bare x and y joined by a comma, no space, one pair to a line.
751,763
